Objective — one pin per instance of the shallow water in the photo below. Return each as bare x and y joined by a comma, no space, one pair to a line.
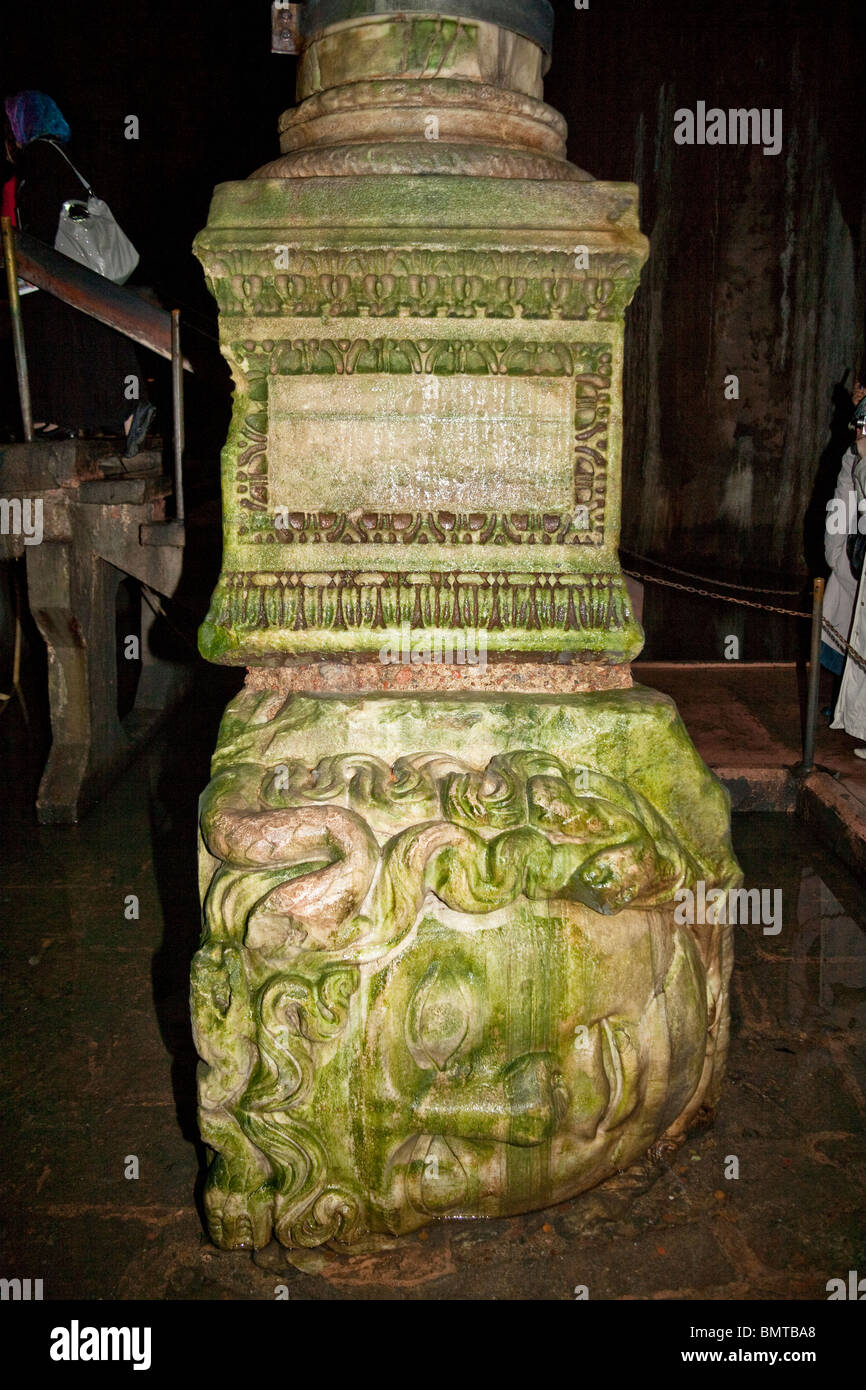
822,940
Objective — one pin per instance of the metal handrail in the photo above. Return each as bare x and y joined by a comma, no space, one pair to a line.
115,305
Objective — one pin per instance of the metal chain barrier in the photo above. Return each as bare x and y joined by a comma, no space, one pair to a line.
856,657
722,583
722,598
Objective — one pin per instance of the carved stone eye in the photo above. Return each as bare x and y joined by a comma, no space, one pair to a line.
439,1017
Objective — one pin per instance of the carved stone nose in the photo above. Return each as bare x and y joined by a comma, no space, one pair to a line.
536,1096
521,1105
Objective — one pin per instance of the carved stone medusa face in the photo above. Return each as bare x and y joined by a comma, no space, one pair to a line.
429,989
507,1065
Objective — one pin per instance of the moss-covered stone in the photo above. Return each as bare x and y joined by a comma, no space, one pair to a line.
427,415
440,973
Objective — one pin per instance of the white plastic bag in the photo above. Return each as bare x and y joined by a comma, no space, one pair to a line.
88,233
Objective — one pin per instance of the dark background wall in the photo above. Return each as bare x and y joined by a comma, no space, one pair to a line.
756,269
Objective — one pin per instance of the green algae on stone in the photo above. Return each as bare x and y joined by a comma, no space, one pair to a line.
440,983
441,975
349,362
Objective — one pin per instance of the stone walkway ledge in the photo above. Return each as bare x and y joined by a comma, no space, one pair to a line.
745,721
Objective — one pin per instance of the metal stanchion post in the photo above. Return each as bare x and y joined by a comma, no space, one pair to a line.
808,762
177,403
17,328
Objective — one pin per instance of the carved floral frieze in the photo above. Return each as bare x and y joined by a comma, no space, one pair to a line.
418,282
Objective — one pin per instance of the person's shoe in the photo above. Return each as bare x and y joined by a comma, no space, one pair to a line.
141,421
51,431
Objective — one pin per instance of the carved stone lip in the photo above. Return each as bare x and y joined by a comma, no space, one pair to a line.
360,675
402,121
429,93
532,19
416,158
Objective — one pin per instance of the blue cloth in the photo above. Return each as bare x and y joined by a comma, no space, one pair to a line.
34,116
831,659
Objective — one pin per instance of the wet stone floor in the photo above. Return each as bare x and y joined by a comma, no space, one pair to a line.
98,1082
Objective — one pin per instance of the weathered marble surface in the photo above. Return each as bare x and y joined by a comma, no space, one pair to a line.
412,46
427,418
405,673
440,974
419,94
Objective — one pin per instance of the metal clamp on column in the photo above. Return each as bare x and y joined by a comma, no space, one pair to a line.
297,25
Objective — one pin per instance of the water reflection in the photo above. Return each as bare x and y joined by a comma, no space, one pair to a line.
811,978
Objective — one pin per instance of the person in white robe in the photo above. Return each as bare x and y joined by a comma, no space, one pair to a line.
841,590
851,707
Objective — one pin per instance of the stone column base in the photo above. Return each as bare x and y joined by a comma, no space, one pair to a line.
442,973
